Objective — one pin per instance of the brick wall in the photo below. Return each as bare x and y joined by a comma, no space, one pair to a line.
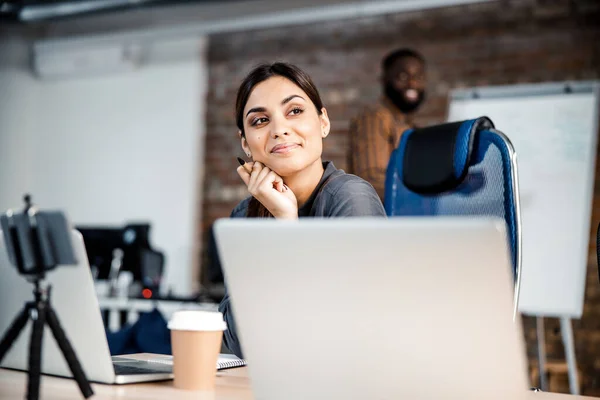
503,42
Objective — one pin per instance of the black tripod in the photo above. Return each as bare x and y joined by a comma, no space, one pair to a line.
35,244
40,311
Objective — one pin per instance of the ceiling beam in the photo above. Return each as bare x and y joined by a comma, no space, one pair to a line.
211,18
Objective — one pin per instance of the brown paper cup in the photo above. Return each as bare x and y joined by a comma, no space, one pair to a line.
195,355
196,344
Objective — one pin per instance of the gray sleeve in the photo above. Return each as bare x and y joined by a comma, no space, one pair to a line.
230,337
356,198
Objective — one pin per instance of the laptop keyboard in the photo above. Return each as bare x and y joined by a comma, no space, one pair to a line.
141,368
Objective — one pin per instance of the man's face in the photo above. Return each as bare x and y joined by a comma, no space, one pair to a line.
405,83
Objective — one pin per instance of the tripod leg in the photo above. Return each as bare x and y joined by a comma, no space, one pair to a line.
35,354
69,353
13,331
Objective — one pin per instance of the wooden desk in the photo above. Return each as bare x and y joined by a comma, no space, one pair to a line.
232,384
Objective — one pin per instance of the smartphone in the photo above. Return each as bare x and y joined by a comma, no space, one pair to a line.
39,242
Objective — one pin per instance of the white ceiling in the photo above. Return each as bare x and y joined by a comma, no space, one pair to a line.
178,31
181,21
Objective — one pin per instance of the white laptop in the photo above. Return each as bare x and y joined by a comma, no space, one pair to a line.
404,308
73,298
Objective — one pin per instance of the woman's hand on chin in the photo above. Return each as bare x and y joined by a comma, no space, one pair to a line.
268,188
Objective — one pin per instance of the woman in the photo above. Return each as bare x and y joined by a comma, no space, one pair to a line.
282,124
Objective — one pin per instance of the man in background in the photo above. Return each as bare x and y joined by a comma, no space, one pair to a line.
376,132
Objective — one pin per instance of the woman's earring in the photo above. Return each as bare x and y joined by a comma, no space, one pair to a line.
248,154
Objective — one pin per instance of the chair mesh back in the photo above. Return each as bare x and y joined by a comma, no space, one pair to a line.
486,190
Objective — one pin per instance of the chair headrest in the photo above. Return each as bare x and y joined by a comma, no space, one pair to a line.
437,158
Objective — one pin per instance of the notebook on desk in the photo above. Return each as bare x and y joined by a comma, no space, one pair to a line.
225,361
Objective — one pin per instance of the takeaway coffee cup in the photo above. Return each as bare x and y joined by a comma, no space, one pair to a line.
196,342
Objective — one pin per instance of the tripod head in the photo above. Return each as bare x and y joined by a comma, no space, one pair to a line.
36,241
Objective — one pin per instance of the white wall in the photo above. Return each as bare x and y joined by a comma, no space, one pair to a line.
111,149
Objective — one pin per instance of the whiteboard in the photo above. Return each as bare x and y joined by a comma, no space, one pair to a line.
553,128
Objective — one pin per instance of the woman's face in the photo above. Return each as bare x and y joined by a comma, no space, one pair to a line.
283,129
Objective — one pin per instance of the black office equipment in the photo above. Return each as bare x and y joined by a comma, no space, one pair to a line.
134,253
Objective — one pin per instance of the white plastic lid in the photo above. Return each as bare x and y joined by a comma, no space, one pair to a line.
193,320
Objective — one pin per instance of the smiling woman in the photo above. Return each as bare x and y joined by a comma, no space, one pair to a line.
281,124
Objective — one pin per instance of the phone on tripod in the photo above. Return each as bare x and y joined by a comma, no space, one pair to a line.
37,242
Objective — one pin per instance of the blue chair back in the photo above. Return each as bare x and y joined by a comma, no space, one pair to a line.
460,168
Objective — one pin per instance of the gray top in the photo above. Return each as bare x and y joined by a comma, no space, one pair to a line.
338,194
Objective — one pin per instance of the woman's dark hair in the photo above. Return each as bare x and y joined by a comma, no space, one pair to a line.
260,74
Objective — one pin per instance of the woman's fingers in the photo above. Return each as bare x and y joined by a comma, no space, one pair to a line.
244,174
278,184
268,188
245,171
260,178
256,168
270,181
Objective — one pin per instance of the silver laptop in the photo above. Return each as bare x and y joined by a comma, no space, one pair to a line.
75,302
404,308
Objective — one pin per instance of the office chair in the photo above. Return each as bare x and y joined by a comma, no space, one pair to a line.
458,168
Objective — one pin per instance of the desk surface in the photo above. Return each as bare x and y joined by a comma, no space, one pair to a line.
232,384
